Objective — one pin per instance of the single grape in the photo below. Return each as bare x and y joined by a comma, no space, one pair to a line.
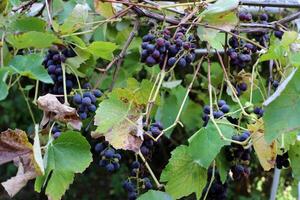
86,101
77,99
109,153
82,116
221,102
206,109
160,42
92,108
99,147
225,108
56,134
135,165
150,61
181,63
110,167
172,61
242,86
264,17
278,34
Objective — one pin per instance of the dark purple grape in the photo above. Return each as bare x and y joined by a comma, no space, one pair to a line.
118,156
82,116
87,86
206,109
51,69
69,84
173,50
171,61
245,57
135,165
77,99
92,108
221,102
278,34
109,153
99,147
181,63
144,45
60,78
248,17
110,167
242,86
218,114
160,42
86,101
150,48
150,61
225,108
264,17
56,134
156,54
97,93
145,150
275,84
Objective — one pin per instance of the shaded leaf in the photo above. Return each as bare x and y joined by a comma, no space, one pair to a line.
26,24
206,143
153,194
286,106
31,66
101,49
32,39
104,9
182,175
294,155
266,153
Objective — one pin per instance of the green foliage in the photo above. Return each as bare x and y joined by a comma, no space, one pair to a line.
286,106
152,194
206,143
183,175
31,66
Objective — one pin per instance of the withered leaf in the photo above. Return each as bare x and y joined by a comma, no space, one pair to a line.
125,135
53,109
14,146
266,153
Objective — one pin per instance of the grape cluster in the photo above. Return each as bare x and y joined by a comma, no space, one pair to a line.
179,49
52,63
218,190
239,156
261,36
109,157
222,108
133,184
240,53
86,103
56,132
148,143
282,161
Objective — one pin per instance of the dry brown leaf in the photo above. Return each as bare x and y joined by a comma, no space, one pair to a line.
14,146
266,153
124,136
53,109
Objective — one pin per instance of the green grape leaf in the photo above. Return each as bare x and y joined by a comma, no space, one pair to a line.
221,14
102,49
26,24
120,123
58,184
206,143
223,165
135,92
33,39
169,108
3,85
65,156
215,39
286,106
75,20
295,59
70,152
104,9
183,175
110,112
155,195
294,155
31,66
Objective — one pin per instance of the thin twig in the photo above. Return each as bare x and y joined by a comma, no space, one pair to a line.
211,180
49,12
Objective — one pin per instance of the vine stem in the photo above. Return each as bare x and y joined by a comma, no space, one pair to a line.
211,180
64,84
2,49
252,80
48,12
150,170
230,85
36,92
183,102
27,103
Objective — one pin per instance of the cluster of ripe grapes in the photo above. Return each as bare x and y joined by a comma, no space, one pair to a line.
148,143
177,48
85,103
109,157
240,53
56,132
222,108
239,157
217,190
282,161
53,63
133,184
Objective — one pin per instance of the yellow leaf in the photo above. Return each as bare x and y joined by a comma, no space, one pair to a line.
266,153
104,9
